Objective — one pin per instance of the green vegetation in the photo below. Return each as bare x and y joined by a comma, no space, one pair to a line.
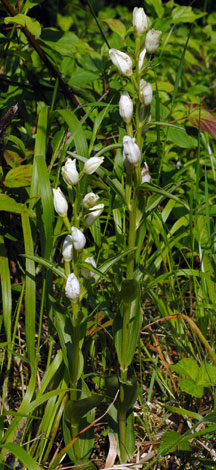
107,231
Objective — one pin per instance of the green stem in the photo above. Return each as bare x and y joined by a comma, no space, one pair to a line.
67,223
129,129
122,436
131,239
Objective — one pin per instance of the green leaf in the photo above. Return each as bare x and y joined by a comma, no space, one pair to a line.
191,387
180,138
155,7
172,441
30,289
153,202
33,26
76,130
82,78
86,441
19,177
185,15
186,366
134,328
8,204
22,455
76,409
5,289
47,264
43,183
116,26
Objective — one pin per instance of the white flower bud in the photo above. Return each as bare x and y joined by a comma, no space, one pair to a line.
60,203
140,22
152,40
141,58
67,249
90,200
86,273
72,288
122,61
145,92
69,172
78,239
126,107
146,177
131,150
92,164
96,211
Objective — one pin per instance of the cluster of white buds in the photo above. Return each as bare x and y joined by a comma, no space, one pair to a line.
123,61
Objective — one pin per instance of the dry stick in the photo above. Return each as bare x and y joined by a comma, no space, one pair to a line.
194,328
69,445
66,89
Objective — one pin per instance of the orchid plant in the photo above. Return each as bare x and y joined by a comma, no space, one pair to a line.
128,318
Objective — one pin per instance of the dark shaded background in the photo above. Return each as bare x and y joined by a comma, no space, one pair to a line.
47,11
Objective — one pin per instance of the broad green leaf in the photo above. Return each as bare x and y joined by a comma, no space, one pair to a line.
86,442
19,177
82,78
171,441
180,138
186,366
115,25
185,15
64,22
191,387
76,409
65,43
9,204
32,25
163,86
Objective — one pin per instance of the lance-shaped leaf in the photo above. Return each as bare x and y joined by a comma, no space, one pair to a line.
133,333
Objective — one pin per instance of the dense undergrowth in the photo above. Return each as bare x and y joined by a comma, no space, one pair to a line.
122,368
